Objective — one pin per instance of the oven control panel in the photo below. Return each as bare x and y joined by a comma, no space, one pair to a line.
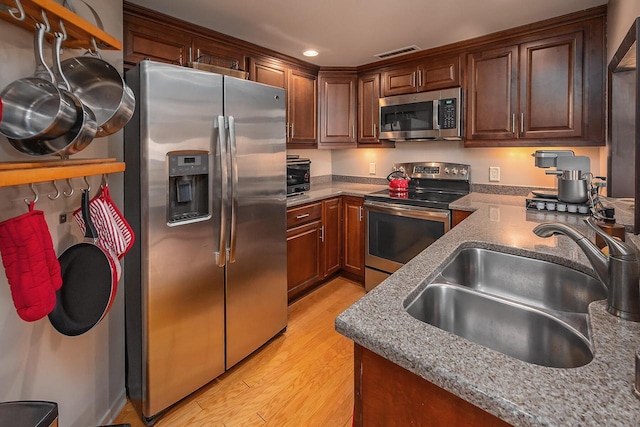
435,170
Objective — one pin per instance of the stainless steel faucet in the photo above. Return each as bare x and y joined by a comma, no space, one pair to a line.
620,272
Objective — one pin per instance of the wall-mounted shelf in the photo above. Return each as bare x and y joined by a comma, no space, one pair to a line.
19,173
79,31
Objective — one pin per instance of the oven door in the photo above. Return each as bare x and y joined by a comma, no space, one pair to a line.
396,233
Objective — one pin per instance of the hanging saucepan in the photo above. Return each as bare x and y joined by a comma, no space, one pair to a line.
100,86
89,282
81,133
34,108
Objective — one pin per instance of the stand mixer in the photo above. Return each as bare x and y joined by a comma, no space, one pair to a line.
572,172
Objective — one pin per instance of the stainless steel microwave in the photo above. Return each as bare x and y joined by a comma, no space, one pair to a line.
422,116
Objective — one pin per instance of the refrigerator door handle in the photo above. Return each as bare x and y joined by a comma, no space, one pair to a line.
234,188
221,253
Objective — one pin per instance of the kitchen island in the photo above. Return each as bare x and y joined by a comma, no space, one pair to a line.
520,393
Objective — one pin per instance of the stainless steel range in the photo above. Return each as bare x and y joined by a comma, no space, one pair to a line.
401,224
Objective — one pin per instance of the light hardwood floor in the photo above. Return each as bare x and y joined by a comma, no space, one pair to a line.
302,378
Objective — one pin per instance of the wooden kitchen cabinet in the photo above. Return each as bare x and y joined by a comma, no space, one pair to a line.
387,394
353,237
146,39
268,72
301,108
151,35
458,216
434,73
368,108
546,90
337,106
314,245
331,236
301,98
305,265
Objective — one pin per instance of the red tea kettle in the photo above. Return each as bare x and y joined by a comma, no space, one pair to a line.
398,182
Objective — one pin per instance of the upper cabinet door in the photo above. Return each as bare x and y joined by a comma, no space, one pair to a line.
551,87
439,73
400,81
492,94
145,39
302,101
268,73
337,94
368,108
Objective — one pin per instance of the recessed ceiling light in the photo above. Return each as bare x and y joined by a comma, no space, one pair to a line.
310,52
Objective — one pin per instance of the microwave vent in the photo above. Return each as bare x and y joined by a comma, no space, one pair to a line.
397,52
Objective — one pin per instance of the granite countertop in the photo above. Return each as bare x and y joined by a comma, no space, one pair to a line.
333,189
523,394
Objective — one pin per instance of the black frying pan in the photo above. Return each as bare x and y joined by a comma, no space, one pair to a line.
88,282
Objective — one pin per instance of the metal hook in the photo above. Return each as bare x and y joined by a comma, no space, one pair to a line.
70,188
95,52
105,181
45,21
21,15
63,30
88,185
35,195
57,196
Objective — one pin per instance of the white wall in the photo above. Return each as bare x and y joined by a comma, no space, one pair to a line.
84,374
320,160
516,164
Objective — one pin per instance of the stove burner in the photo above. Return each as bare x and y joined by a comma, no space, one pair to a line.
428,199
443,184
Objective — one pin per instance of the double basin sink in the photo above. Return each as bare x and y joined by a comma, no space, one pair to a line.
530,309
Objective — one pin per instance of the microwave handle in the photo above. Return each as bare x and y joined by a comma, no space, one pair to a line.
436,114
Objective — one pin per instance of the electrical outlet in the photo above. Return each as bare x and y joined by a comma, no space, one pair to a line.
372,168
494,173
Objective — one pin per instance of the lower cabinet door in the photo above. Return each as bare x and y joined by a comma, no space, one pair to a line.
304,258
331,235
353,242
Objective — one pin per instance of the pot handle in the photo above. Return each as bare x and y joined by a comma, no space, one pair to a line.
42,70
90,229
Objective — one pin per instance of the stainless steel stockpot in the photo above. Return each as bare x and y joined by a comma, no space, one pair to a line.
33,107
81,133
100,86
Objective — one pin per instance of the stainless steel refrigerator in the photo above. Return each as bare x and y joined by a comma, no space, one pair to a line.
205,192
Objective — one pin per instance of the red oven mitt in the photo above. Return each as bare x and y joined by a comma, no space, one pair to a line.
30,264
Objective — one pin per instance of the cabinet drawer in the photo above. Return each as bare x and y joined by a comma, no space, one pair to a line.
303,214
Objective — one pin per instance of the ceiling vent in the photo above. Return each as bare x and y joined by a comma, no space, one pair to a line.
397,52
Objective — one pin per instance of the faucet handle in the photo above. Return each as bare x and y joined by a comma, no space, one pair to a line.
617,249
